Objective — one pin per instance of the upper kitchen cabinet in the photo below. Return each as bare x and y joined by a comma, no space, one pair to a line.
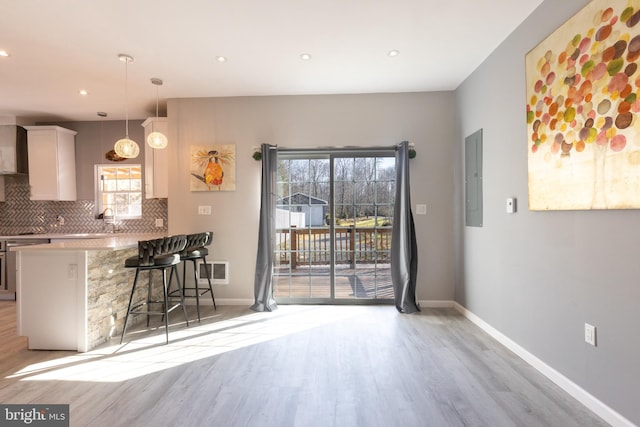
156,161
52,163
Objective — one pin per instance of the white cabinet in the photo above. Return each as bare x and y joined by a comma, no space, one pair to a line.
50,305
52,163
156,161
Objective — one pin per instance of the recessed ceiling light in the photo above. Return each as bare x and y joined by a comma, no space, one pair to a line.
305,57
83,92
393,53
4,53
221,58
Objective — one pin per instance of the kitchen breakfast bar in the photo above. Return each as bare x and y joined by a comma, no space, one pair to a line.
72,294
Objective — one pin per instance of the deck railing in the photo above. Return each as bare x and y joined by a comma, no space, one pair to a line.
311,246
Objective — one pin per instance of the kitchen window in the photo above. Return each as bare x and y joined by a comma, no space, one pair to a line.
119,191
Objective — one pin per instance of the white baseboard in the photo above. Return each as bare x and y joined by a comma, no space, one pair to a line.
249,302
234,301
206,300
436,303
584,397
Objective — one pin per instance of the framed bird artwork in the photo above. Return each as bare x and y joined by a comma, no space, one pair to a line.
213,167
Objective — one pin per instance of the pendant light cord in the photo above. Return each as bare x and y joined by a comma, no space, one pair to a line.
153,124
156,82
126,96
102,115
101,136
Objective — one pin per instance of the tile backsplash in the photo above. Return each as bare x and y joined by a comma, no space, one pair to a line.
19,214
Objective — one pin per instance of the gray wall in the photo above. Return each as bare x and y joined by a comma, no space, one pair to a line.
425,119
537,277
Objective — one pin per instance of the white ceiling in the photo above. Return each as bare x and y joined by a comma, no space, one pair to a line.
59,47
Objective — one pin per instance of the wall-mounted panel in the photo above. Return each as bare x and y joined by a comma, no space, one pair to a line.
473,179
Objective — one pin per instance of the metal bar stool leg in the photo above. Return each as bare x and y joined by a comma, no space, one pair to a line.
184,285
149,294
181,292
166,303
184,275
209,274
169,291
195,281
126,317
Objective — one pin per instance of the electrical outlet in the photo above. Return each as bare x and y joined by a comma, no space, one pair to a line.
159,222
204,210
421,209
590,334
72,272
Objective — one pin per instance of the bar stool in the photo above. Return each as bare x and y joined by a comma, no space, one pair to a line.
196,249
157,254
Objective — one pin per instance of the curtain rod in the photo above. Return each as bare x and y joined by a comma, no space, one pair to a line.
352,149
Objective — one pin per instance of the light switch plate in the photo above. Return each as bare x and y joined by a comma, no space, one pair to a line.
590,334
421,209
204,210
511,205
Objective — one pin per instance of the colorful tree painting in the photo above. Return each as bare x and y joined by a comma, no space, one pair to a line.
583,100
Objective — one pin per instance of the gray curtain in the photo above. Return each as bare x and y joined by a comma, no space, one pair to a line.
404,249
263,285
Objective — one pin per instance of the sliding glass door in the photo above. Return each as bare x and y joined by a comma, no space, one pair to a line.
334,214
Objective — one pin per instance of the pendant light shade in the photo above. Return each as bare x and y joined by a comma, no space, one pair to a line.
126,147
156,139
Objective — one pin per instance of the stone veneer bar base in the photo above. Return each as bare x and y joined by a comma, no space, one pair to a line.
108,290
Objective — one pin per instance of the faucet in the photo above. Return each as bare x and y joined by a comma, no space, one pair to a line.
109,218
111,227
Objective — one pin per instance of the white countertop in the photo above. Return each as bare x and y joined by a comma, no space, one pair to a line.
37,236
85,243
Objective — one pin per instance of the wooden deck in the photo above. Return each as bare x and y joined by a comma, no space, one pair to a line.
312,245
365,282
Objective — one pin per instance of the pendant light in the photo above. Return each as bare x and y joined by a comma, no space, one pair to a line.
126,147
111,154
156,139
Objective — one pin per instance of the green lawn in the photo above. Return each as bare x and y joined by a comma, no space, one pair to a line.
363,222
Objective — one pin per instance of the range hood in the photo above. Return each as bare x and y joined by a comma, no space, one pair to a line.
13,150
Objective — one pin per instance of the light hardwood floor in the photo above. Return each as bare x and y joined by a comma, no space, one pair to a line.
298,366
